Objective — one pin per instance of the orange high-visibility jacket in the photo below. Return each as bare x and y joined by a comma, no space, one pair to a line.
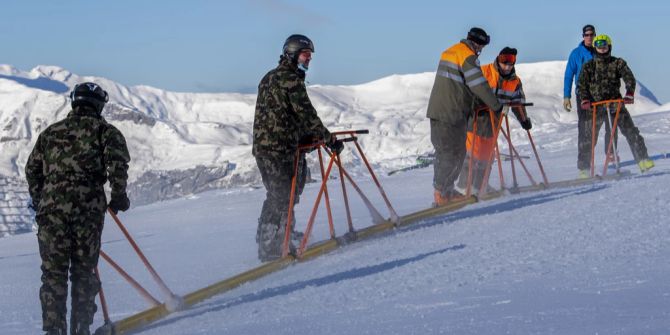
507,90
458,81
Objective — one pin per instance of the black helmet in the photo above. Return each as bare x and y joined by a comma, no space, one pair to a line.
296,43
89,94
479,36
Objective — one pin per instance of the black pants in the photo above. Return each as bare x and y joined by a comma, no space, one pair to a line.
449,142
69,244
584,128
277,174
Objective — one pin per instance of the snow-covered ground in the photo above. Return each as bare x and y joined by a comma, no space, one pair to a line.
590,259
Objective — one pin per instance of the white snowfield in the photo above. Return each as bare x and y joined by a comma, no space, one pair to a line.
173,131
590,259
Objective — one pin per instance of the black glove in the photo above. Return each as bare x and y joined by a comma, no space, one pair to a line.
307,140
629,98
120,202
336,146
525,124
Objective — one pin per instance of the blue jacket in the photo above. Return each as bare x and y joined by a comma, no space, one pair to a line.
580,55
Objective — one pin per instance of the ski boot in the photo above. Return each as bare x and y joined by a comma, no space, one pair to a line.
646,164
584,174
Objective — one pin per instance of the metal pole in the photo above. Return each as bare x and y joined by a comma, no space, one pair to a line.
103,301
139,252
141,290
328,210
291,203
614,128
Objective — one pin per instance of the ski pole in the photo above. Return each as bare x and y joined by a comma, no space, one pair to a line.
154,274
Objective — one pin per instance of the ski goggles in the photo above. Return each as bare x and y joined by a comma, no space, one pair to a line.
508,59
600,43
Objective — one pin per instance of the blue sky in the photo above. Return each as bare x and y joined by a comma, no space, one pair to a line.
227,46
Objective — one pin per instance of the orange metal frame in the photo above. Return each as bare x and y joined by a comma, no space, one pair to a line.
497,130
141,290
346,136
594,111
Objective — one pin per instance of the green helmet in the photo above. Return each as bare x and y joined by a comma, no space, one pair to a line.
602,41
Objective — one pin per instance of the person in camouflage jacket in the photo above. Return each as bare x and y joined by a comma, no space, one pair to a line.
600,80
284,117
66,170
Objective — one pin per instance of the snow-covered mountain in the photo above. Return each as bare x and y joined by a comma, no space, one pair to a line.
183,143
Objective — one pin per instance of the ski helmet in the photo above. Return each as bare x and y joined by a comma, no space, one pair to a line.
296,43
479,36
90,94
602,41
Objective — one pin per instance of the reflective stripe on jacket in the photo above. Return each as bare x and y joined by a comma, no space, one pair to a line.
458,80
507,90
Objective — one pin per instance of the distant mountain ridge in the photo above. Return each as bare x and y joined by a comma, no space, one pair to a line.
171,133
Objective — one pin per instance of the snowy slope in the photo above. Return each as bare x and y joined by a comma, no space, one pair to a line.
582,260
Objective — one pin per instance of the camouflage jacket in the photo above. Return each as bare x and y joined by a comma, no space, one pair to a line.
600,79
284,113
71,161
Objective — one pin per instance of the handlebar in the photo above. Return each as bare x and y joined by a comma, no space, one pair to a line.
513,104
351,132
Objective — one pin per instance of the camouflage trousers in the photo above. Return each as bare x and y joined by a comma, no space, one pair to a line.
624,124
449,142
277,174
69,244
584,130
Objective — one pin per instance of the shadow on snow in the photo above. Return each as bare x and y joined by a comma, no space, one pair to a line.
290,288
41,83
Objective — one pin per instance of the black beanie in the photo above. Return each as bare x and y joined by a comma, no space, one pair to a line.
479,36
588,27
508,51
